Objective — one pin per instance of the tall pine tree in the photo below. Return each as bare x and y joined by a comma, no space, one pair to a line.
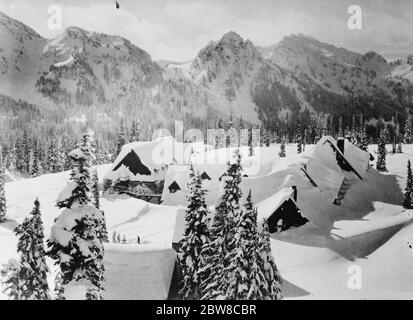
80,253
33,268
282,148
407,201
381,157
243,274
268,266
3,207
222,233
196,235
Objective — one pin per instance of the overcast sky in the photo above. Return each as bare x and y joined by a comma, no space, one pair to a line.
178,29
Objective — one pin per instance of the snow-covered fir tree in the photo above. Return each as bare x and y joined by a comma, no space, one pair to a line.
114,237
222,233
407,131
136,131
196,235
103,232
362,141
27,147
35,170
74,241
282,148
86,147
340,127
407,201
268,265
53,156
381,153
11,281
210,269
33,268
250,141
244,278
121,137
298,139
3,207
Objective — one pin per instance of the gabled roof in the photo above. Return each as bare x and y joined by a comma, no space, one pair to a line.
268,206
134,164
148,160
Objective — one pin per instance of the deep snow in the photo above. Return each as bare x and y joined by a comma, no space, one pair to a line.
369,230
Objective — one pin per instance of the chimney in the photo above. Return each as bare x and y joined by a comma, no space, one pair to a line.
294,193
340,144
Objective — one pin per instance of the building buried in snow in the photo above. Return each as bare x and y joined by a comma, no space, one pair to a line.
140,168
322,175
281,211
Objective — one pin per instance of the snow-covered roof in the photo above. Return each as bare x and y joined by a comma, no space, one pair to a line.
267,207
180,175
155,156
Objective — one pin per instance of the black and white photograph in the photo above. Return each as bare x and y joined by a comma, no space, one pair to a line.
206,150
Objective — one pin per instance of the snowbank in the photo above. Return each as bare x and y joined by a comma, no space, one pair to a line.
138,272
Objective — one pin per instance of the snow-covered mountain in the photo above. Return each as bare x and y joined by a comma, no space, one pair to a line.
335,69
228,76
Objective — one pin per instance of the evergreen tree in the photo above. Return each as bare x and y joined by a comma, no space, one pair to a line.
103,232
95,189
80,258
123,239
86,147
340,127
11,281
408,131
196,235
118,238
407,202
33,268
35,164
268,266
243,274
222,233
114,237
250,142
282,148
26,151
298,139
381,157
136,131
52,156
19,155
3,207
363,142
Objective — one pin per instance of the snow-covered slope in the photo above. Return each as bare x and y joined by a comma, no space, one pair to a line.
369,229
335,69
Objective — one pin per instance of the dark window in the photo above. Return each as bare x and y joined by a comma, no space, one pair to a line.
205,176
174,187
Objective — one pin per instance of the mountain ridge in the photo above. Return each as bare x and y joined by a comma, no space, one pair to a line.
231,75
